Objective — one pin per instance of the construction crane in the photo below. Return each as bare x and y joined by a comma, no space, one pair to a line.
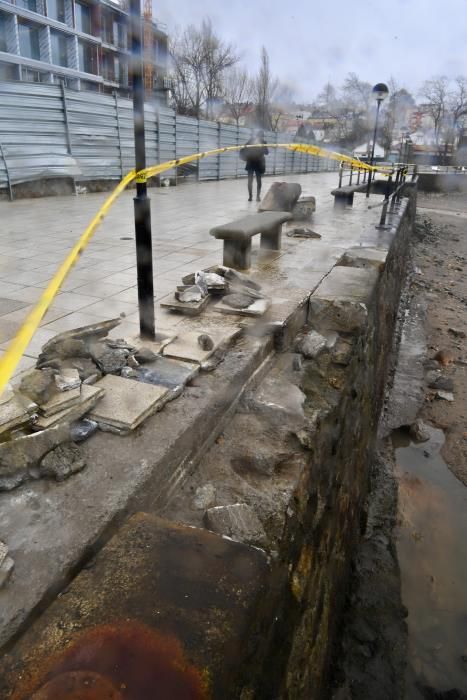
148,47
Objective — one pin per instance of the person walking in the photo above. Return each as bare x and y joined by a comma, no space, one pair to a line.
255,162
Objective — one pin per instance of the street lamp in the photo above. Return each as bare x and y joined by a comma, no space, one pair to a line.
380,92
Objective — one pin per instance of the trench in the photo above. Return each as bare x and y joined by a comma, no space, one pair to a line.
431,536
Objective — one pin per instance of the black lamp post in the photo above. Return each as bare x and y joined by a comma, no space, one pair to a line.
380,92
141,201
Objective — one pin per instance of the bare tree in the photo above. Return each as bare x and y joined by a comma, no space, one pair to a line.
458,101
199,60
435,92
238,91
265,88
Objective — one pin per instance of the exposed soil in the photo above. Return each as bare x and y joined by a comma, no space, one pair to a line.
440,256
388,650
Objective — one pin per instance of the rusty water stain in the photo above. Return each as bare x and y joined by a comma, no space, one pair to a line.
120,661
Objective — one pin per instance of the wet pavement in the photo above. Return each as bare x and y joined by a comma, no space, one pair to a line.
431,542
36,236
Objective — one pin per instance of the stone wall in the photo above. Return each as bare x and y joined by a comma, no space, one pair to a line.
344,389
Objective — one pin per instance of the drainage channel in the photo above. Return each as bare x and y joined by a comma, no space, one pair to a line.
431,541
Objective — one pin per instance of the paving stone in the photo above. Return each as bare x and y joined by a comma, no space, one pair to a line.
12,414
238,521
126,404
89,397
67,379
7,306
257,308
60,402
186,346
170,373
161,596
38,385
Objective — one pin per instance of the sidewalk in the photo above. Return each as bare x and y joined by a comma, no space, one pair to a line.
37,234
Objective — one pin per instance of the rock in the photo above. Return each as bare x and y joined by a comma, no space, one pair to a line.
38,385
3,552
191,294
109,360
129,372
81,430
18,458
5,570
237,521
342,352
85,366
312,344
132,362
281,196
419,431
67,379
444,357
92,379
144,355
13,413
205,342
302,232
205,496
238,301
442,383
456,332
297,363
61,462
445,395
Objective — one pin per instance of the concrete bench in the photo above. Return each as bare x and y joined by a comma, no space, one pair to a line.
238,234
344,195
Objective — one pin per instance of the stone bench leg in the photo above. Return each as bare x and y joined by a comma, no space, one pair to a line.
272,240
237,254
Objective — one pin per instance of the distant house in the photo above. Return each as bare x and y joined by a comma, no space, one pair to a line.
364,151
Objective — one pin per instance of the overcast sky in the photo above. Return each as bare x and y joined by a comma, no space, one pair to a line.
313,41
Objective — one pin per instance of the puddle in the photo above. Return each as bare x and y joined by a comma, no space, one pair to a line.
431,544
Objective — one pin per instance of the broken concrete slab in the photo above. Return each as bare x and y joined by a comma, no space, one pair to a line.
67,379
89,396
58,345
364,257
19,456
186,346
170,373
3,552
341,301
304,208
60,402
60,463
238,521
110,360
6,569
189,308
178,603
13,414
125,404
258,307
38,385
156,346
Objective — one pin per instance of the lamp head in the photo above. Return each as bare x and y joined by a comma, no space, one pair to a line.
380,91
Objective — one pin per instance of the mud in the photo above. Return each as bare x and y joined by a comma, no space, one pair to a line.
405,636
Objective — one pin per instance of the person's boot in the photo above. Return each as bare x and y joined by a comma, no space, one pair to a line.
258,196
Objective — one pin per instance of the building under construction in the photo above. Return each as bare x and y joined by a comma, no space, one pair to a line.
85,43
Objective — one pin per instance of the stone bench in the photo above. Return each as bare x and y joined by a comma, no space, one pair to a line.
237,236
344,195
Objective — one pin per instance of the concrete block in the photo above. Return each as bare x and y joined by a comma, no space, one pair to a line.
126,404
60,402
238,521
166,610
341,301
90,395
364,257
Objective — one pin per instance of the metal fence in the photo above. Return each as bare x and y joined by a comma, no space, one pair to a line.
49,131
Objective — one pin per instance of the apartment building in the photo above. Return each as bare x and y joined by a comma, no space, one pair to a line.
82,42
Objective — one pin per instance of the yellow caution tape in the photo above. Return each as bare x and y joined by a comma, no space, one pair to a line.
20,342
